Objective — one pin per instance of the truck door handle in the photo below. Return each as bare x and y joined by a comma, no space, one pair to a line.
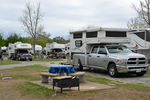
90,56
98,56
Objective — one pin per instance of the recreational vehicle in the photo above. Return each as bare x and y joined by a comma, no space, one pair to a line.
140,41
102,48
19,51
55,50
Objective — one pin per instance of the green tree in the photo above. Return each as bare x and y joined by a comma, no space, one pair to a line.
13,38
2,41
60,40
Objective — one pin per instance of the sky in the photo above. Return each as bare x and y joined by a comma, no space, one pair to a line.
62,16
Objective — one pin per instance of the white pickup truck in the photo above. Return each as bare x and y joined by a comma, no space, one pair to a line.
113,58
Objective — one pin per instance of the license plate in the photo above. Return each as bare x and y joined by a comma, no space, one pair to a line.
138,70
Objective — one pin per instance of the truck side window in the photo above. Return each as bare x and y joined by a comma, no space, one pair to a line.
102,50
94,50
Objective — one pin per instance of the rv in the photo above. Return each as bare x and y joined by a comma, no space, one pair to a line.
38,49
55,50
4,50
19,51
102,48
140,41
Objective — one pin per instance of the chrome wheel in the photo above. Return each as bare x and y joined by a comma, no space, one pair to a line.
112,70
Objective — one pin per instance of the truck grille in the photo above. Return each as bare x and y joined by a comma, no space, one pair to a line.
136,61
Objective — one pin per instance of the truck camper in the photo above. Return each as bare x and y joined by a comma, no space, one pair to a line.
19,51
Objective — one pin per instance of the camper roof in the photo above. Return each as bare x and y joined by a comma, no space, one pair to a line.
100,29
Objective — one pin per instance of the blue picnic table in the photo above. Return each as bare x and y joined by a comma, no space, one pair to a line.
61,69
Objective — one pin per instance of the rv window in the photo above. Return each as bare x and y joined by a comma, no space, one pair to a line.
77,35
141,35
115,34
91,34
94,50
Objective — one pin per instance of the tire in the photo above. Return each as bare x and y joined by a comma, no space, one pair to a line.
80,66
112,70
140,74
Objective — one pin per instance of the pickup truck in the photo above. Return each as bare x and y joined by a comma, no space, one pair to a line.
113,58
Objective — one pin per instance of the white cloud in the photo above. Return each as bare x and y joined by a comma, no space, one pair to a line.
62,15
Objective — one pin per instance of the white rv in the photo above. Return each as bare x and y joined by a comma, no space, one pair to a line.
140,41
4,50
19,51
102,48
38,49
55,50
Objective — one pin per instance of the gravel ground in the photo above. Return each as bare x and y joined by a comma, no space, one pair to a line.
126,78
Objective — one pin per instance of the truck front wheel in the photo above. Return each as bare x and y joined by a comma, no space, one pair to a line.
112,70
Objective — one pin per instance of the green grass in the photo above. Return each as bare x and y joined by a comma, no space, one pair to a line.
8,62
105,81
136,86
46,60
101,80
36,66
28,88
148,73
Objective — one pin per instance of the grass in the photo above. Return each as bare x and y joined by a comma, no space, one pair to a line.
8,62
117,83
148,73
101,80
28,88
46,60
36,66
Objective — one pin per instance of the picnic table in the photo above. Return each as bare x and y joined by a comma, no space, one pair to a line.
61,69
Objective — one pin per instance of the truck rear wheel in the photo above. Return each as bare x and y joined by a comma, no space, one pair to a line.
80,66
112,70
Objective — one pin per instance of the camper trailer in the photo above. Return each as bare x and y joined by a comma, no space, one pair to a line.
19,51
55,50
102,48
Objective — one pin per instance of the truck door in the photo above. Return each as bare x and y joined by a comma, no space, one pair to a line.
92,56
101,58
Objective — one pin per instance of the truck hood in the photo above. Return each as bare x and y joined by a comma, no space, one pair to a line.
127,55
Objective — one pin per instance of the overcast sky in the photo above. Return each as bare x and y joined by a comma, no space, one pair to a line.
61,16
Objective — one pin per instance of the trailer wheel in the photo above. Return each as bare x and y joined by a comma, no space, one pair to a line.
112,70
80,66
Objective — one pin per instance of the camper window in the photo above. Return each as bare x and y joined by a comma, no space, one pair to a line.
77,35
91,34
115,34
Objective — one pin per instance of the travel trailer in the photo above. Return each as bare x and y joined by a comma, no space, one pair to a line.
38,49
19,51
102,48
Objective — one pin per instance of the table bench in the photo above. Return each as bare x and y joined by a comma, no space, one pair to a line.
81,76
46,75
65,82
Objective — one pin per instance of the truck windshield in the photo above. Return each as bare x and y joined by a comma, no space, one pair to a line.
118,49
22,51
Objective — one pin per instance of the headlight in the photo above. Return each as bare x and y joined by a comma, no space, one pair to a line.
118,61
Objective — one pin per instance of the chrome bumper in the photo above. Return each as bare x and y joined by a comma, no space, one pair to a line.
126,69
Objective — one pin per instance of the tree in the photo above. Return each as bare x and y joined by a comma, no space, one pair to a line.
31,19
143,18
60,40
2,41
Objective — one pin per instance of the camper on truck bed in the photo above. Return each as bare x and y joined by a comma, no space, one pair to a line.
19,51
102,48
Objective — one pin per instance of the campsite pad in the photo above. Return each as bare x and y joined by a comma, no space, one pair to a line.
83,86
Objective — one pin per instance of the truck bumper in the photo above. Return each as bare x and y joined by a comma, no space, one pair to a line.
134,69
